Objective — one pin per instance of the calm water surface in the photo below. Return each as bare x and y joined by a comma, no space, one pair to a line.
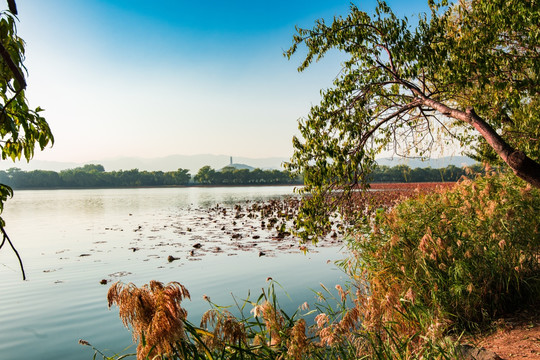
72,239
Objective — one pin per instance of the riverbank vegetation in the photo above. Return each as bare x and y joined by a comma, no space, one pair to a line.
91,176
233,176
95,176
22,128
464,74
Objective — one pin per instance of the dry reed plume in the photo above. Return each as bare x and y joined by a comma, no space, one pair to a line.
297,343
154,313
226,329
273,320
469,251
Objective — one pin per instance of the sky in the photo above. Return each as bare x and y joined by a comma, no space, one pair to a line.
132,78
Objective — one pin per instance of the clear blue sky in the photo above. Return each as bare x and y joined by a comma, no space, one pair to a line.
155,78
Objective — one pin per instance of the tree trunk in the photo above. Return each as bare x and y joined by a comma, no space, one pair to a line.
522,165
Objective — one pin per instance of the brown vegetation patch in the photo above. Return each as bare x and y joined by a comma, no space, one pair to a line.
386,195
421,186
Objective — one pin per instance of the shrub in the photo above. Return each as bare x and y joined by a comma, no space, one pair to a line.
466,254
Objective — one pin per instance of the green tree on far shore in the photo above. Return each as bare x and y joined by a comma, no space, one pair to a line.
205,175
232,176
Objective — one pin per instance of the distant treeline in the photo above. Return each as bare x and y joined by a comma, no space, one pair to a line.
95,176
91,176
403,173
232,176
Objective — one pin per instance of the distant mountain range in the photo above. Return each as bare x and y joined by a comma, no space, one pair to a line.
168,163
195,162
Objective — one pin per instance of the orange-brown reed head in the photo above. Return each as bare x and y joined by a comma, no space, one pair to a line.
154,313
226,329
297,343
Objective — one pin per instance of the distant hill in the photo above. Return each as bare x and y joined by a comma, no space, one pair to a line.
194,162
38,165
239,167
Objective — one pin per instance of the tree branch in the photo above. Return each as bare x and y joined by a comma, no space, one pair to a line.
12,6
6,237
12,66
521,164
402,110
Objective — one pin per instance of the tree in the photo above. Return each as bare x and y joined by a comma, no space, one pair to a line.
206,175
180,177
95,168
468,72
21,128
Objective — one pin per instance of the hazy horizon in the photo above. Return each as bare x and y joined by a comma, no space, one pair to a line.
195,162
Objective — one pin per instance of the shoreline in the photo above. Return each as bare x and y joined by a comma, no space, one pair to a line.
153,187
373,186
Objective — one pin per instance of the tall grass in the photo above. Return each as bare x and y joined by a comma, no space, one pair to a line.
432,266
468,254
260,331
438,265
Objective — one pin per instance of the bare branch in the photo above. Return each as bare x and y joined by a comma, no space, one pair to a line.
6,237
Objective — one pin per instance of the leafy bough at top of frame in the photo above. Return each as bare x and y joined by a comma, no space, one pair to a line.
21,128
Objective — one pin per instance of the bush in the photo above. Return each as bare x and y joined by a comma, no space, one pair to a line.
466,254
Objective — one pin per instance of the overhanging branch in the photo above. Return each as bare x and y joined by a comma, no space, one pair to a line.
6,238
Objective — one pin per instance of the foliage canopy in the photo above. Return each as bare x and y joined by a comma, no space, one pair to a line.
232,176
21,128
467,72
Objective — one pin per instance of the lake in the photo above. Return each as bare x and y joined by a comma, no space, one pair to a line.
71,240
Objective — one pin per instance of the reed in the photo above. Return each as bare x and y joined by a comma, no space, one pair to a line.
469,253
153,312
